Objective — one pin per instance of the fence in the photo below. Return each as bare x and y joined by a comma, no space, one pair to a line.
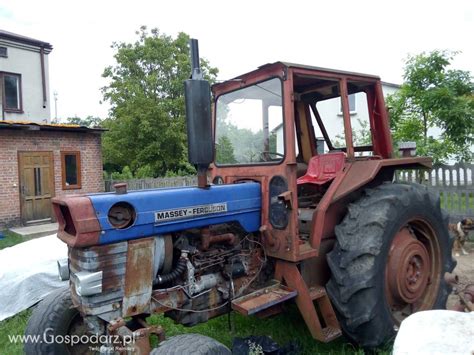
142,184
454,183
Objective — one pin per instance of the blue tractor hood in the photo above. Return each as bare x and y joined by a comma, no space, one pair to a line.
167,210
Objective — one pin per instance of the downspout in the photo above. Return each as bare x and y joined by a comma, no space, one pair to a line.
43,76
2,96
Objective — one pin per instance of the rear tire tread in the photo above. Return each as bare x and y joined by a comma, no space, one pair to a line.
353,261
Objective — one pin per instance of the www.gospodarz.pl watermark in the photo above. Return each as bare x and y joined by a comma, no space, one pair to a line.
94,341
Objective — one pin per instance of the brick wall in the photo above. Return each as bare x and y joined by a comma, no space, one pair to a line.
13,141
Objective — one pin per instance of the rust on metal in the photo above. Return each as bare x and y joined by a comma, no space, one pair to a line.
263,298
120,188
288,272
408,268
412,269
208,239
451,279
138,277
202,179
165,300
466,294
121,215
78,225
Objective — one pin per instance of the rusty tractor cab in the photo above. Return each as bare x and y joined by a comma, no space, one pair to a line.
286,210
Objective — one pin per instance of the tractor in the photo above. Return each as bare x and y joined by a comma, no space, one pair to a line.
282,213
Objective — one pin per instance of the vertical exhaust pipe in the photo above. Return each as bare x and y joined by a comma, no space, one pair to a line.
197,93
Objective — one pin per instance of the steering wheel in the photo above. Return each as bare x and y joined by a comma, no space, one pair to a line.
265,155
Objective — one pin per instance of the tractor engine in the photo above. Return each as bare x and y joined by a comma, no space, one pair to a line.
132,256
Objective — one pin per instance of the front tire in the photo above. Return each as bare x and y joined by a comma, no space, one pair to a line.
52,320
195,344
392,251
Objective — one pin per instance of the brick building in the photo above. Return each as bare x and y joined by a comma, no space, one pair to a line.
40,161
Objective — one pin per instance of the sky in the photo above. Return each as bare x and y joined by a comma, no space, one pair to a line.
372,37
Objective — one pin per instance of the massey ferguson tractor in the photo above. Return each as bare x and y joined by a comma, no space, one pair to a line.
279,216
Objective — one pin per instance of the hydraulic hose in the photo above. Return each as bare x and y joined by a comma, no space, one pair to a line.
173,274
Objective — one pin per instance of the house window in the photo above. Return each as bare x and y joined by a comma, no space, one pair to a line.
352,103
11,92
3,52
71,170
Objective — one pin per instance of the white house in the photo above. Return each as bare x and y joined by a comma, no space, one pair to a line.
24,78
331,115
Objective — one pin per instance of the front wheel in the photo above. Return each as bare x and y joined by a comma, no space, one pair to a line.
191,344
52,324
393,249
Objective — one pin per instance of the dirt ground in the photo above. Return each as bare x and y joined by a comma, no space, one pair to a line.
465,271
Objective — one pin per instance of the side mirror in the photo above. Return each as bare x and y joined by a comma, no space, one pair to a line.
197,92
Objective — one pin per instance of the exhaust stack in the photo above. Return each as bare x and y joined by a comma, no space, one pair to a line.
197,92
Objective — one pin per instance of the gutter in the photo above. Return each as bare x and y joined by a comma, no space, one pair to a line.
43,76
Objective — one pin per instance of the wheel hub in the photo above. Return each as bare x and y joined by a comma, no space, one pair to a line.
408,268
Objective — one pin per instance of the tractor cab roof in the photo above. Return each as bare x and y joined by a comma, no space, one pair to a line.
320,69
304,77
322,82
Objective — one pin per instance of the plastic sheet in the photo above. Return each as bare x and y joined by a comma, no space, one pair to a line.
28,272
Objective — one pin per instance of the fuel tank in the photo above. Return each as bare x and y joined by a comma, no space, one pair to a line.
106,218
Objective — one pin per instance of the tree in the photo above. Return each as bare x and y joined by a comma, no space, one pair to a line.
89,121
360,135
433,95
225,151
147,118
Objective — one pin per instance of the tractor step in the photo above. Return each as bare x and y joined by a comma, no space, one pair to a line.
313,303
262,299
317,292
331,333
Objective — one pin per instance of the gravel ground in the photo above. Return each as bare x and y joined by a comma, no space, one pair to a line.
465,271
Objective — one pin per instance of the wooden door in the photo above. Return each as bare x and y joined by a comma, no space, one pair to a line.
36,171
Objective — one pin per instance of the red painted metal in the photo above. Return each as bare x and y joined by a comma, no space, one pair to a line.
413,263
346,118
323,168
289,273
408,268
298,258
78,225
263,299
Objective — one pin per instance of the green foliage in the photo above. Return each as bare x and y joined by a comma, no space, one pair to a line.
144,172
246,145
360,136
225,151
147,118
89,121
435,96
126,174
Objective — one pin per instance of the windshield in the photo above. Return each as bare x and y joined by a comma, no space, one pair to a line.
249,125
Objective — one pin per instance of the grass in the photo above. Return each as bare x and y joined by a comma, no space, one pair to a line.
283,328
10,327
10,239
451,201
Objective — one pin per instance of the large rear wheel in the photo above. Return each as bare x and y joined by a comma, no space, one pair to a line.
393,249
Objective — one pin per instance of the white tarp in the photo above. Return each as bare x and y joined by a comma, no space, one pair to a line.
436,332
28,272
